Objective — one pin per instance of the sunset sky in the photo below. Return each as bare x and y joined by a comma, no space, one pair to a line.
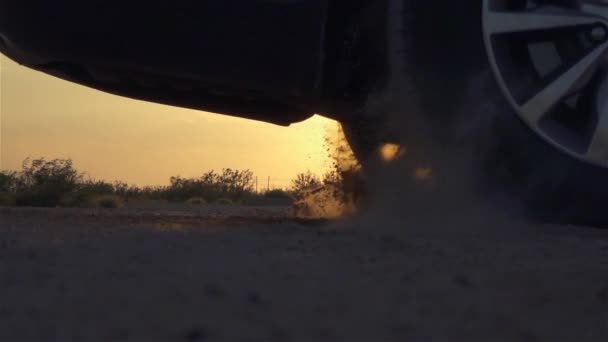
114,138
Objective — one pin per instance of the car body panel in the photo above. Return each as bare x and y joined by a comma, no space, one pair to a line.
260,59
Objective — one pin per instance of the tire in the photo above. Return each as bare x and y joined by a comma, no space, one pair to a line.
441,68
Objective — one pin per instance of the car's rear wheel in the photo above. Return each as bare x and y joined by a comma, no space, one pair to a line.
523,81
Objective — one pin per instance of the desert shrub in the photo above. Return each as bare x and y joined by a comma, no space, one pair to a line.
109,201
182,189
77,199
303,183
96,187
133,193
86,194
233,184
236,184
57,183
278,197
46,183
8,182
7,199
196,200
144,200
277,194
224,201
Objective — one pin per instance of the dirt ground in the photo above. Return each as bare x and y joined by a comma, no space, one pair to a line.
257,274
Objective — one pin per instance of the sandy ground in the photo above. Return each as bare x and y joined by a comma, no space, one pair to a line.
255,273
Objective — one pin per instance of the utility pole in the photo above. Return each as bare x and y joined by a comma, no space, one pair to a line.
268,183
256,184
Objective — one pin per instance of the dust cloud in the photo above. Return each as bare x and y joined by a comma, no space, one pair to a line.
419,180
337,196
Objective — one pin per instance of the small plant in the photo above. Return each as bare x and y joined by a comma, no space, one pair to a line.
224,201
57,183
77,199
109,202
43,183
7,200
144,200
8,181
277,194
196,200
304,183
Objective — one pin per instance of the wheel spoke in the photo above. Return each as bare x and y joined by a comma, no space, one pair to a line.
511,22
598,149
563,86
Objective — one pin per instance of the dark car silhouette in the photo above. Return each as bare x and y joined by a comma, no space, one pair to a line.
537,68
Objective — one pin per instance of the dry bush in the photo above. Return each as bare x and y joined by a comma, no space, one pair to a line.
44,183
304,183
7,200
196,200
224,201
230,183
109,202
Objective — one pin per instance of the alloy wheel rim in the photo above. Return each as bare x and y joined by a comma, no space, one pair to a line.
550,58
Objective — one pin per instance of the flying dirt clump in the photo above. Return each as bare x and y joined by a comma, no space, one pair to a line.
338,193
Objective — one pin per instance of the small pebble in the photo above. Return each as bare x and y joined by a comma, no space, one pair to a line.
253,298
463,281
602,294
213,290
196,334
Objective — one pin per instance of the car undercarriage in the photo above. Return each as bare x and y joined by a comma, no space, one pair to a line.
384,69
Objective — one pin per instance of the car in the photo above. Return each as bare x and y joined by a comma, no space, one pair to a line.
529,78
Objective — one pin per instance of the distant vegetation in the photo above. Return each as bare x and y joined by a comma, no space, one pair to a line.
57,183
